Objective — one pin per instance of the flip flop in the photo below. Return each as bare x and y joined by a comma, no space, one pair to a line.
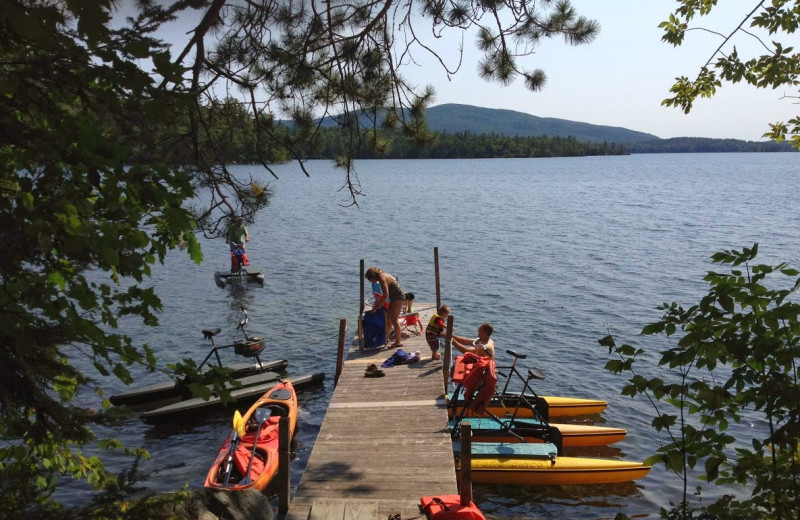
373,371
396,345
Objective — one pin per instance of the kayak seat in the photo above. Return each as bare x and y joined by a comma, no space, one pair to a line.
268,433
276,410
242,460
210,333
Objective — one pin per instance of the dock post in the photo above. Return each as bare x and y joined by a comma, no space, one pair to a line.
447,357
436,272
466,464
362,303
283,467
340,351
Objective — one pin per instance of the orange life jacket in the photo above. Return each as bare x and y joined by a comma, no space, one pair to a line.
481,376
448,507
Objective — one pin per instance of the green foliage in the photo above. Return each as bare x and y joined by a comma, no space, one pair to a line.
779,66
82,225
108,140
734,358
706,145
396,145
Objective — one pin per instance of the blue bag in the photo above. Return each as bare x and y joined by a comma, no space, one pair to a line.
374,327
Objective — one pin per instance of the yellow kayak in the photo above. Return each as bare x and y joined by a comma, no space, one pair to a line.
538,465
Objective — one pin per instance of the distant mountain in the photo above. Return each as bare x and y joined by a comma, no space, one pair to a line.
454,118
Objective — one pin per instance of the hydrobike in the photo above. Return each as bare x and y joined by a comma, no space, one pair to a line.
513,426
240,269
504,403
198,408
248,459
540,465
247,374
530,454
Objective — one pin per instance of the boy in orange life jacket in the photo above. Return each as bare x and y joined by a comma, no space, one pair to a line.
435,329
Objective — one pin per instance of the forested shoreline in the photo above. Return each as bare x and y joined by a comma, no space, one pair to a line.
235,141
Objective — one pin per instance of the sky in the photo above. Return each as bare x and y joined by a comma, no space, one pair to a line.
621,77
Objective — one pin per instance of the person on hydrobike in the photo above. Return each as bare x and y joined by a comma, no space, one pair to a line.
237,237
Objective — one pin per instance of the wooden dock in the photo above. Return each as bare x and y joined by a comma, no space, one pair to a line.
384,442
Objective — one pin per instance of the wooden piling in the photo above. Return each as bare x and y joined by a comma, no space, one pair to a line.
447,356
465,480
340,351
361,306
284,478
436,274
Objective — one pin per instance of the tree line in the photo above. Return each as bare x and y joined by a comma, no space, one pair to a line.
233,133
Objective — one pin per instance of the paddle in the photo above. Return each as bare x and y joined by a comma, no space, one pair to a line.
238,432
262,414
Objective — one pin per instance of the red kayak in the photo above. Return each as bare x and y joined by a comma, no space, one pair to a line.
248,458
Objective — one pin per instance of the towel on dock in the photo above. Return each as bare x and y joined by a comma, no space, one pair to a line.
400,357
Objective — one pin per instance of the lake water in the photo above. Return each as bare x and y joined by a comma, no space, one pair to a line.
553,252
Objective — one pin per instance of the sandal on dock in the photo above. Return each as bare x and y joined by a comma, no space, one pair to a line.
373,371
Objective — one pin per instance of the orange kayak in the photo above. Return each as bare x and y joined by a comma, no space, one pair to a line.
248,459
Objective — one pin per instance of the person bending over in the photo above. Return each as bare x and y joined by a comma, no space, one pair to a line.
391,291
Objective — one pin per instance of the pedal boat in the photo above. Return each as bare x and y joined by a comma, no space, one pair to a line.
486,429
539,465
504,405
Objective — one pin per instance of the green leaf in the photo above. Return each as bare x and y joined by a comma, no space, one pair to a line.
675,461
712,468
26,199
653,328
57,279
652,460
195,252
726,302
122,373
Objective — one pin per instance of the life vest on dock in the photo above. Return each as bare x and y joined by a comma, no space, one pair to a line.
448,507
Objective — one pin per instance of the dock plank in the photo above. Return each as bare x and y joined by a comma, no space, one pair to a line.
384,440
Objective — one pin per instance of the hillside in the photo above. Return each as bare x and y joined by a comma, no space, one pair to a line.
454,118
